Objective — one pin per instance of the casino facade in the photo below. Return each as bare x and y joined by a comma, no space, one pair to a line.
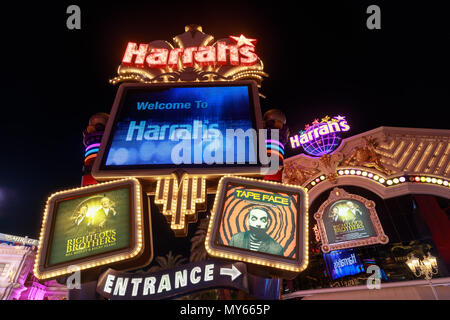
341,219
17,281
405,172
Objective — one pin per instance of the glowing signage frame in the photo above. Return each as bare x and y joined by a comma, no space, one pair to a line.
339,194
197,169
139,252
279,265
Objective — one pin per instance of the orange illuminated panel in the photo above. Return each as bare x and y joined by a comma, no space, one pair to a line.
260,222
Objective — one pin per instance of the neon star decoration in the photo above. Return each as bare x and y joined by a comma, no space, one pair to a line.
242,40
325,119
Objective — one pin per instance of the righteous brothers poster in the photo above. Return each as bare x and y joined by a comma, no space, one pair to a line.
259,222
90,225
347,220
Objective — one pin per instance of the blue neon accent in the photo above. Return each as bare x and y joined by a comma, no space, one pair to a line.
95,150
275,147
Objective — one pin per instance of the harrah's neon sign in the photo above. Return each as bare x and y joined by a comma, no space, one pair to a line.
242,53
318,129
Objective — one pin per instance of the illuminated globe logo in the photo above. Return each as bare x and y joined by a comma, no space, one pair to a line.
321,137
324,144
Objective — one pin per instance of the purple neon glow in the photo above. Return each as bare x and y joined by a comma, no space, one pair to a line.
94,145
276,142
324,144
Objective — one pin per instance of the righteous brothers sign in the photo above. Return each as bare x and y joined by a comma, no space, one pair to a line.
347,220
93,226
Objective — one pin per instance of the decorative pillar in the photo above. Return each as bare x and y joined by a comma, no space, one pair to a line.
92,136
275,119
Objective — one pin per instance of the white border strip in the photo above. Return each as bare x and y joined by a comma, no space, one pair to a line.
305,293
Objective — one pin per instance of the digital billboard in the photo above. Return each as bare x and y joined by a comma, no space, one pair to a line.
91,226
156,127
341,263
259,222
347,220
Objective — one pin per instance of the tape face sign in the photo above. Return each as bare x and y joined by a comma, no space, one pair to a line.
260,222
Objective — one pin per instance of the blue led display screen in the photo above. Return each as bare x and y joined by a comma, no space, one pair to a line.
341,263
188,126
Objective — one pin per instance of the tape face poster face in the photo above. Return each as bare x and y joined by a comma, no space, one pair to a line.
259,220
90,225
346,220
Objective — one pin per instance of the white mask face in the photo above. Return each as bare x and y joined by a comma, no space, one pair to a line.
258,219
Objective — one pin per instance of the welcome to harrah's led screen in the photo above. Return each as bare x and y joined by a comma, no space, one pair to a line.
171,125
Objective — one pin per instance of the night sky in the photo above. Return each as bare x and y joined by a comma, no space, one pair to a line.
321,60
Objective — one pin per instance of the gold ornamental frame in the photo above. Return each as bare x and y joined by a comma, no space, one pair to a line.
340,194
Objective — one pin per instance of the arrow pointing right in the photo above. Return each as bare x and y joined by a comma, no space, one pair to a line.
233,272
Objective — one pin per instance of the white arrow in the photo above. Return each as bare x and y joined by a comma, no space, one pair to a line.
233,272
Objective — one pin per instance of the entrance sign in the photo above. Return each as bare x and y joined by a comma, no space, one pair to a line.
177,281
348,220
260,222
154,128
90,227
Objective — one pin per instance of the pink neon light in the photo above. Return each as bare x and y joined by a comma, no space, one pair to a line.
276,142
89,147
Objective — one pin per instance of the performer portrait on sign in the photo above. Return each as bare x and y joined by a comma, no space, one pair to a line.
105,213
256,238
354,208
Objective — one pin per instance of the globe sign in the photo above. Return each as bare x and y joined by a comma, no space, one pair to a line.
321,137
325,144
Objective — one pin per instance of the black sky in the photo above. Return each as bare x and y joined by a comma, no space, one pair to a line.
320,57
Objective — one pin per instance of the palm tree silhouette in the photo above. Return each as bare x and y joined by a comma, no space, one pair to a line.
198,251
167,262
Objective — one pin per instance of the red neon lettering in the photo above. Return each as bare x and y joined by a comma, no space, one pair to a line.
222,49
133,51
250,58
157,58
188,56
222,54
205,56
174,56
